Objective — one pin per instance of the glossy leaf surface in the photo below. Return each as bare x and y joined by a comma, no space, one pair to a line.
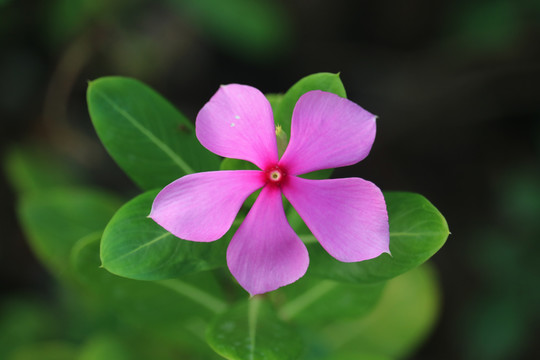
253,331
148,138
417,231
134,246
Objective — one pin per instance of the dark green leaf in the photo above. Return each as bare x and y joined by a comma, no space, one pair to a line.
148,138
55,220
417,231
320,81
134,246
253,331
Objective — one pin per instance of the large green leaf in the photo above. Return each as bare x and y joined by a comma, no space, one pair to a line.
134,246
417,231
253,331
148,138
314,301
321,81
173,310
55,220
404,316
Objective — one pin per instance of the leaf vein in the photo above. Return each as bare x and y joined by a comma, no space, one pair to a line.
154,240
160,144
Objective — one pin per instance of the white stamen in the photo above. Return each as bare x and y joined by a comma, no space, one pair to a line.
233,124
275,175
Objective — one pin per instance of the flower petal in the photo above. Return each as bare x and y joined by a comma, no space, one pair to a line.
238,123
347,216
265,253
327,131
202,206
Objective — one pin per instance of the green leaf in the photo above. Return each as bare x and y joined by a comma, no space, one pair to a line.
253,331
105,346
49,350
318,175
148,138
417,231
315,301
55,220
274,100
403,318
136,247
173,310
33,169
236,164
320,81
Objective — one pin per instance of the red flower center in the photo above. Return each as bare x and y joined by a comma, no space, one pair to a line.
275,175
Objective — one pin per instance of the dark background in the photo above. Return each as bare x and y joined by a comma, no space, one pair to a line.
455,85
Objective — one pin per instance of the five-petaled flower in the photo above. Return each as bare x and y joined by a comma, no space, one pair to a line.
347,216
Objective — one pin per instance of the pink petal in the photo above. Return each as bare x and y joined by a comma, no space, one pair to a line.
202,206
327,131
265,253
347,216
238,123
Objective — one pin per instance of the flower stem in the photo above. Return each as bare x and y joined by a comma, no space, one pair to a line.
253,311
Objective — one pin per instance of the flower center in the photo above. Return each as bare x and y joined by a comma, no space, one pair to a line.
275,175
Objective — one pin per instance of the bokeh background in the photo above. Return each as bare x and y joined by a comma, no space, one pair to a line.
455,85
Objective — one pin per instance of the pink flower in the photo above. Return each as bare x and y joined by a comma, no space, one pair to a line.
347,216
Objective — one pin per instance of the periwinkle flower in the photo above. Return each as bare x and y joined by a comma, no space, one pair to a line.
347,216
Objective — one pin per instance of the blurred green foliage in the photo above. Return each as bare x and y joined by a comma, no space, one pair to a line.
254,30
